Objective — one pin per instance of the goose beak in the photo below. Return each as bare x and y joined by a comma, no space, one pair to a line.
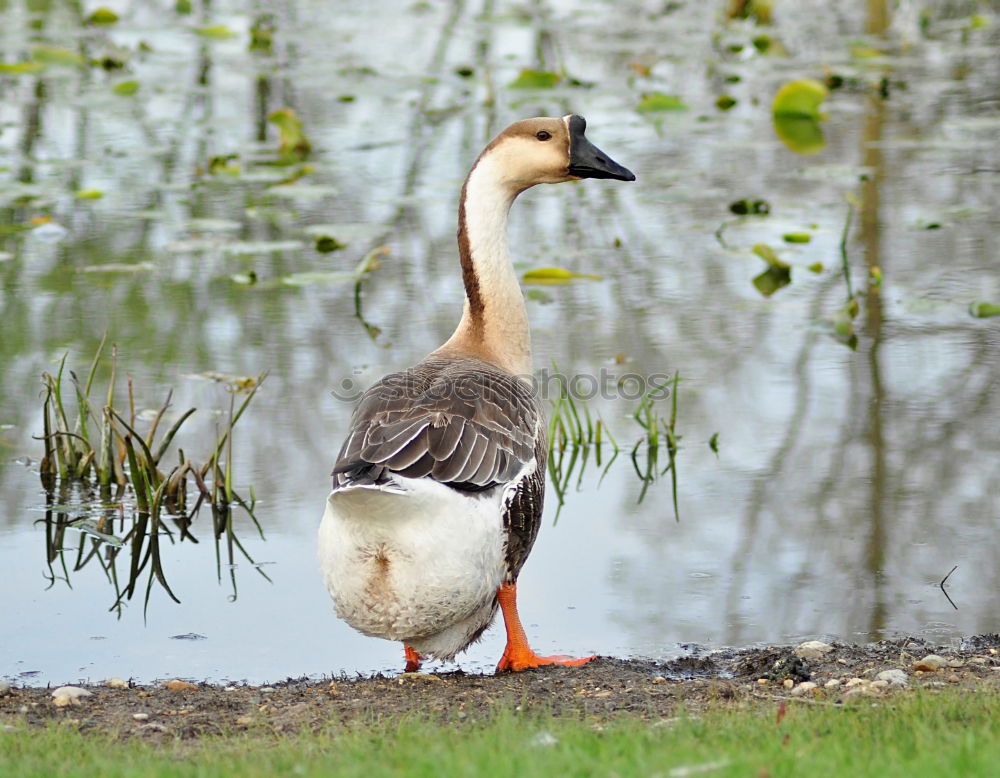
588,161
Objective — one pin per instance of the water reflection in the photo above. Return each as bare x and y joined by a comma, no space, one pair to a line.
846,484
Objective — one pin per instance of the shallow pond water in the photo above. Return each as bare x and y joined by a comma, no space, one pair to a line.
140,200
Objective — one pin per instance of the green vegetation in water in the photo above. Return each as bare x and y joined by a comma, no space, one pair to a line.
797,117
648,417
778,274
950,734
554,276
841,323
293,145
658,102
535,79
984,310
101,456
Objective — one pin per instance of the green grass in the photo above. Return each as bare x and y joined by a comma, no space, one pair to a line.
950,734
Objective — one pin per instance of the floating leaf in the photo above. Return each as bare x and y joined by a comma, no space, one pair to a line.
777,275
713,443
745,207
800,98
126,88
183,7
984,310
326,244
815,267
799,133
841,325
551,276
215,31
768,254
55,55
248,279
20,68
772,279
864,51
655,102
535,79
102,16
293,145
89,194
725,102
796,237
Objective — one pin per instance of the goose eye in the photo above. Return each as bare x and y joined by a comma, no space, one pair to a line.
543,135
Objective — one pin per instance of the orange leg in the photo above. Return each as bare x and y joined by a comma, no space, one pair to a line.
412,659
518,655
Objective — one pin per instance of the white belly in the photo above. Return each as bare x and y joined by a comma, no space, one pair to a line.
421,566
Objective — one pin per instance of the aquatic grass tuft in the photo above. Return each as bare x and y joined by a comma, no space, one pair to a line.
648,417
99,469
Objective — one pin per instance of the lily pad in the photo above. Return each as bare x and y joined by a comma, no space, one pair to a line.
778,274
551,276
20,68
655,102
58,56
126,88
535,79
101,17
800,98
215,31
984,310
800,134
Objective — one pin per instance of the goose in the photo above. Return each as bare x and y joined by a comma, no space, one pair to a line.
437,490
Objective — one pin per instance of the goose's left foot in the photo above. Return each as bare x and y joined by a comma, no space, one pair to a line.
412,659
517,655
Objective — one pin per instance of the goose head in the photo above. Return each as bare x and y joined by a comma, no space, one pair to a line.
549,150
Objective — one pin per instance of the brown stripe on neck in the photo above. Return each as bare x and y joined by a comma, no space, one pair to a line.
469,276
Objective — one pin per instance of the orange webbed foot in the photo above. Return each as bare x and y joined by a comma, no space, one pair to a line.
517,655
412,659
531,660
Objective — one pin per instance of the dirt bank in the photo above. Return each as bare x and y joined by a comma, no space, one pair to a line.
601,690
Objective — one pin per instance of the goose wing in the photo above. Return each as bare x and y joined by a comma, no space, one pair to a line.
464,423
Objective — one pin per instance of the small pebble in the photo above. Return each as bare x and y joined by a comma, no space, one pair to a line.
880,685
659,679
812,649
763,681
116,683
832,683
893,677
177,685
68,695
930,663
4,688
856,682
788,683
803,688
140,716
229,689
266,689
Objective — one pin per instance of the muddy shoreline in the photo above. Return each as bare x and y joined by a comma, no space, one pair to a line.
606,688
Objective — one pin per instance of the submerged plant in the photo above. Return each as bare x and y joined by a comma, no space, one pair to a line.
653,424
122,476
